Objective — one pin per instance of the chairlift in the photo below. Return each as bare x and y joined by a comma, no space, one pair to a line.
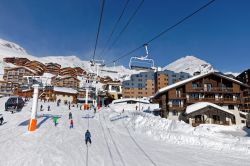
143,62
97,62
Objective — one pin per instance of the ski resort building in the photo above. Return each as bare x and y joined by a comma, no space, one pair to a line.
245,78
68,71
67,81
205,98
114,90
36,66
7,88
16,74
16,61
146,84
53,68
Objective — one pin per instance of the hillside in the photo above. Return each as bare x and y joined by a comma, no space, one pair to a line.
9,49
189,64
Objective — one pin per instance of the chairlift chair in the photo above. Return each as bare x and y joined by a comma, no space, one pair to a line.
148,63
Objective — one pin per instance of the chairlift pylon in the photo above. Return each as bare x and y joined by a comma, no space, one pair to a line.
142,60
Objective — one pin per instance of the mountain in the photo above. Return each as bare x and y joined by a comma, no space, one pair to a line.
10,49
189,64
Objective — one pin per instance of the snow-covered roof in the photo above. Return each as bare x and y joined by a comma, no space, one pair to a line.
165,89
200,105
130,99
65,90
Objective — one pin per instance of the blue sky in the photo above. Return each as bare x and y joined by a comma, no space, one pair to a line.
220,34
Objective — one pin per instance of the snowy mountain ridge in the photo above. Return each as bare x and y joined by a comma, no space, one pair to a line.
9,49
189,64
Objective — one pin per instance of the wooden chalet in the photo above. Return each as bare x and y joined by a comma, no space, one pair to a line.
67,81
16,61
36,66
53,68
68,71
205,98
80,71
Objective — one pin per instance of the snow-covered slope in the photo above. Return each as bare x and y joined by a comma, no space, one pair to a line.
189,64
128,139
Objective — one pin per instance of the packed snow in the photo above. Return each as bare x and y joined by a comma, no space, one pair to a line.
129,138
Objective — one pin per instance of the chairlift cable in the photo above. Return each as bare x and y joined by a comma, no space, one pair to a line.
115,26
166,30
126,26
99,27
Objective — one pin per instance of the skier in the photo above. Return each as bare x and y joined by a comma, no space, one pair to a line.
41,107
71,124
1,120
55,119
87,137
69,106
48,108
70,115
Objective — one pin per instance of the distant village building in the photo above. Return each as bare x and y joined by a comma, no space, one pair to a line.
146,84
36,66
114,90
7,88
65,94
16,74
68,71
53,68
66,81
16,60
205,98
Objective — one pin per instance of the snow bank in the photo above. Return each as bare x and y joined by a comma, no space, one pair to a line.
178,132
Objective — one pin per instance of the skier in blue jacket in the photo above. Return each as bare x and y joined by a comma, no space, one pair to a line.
87,137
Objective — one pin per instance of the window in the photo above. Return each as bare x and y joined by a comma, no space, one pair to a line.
231,107
194,85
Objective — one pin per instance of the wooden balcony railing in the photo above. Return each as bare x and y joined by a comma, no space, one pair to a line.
212,89
214,100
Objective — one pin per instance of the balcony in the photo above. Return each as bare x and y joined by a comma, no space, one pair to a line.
214,100
212,89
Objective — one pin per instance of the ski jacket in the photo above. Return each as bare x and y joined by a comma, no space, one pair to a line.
87,135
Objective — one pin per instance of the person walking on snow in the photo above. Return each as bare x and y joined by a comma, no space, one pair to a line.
41,107
48,108
70,115
87,137
71,124
55,120
1,120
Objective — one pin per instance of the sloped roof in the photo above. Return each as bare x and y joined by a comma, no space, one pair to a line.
167,88
200,105
65,90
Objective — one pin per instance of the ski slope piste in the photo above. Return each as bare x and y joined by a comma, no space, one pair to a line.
131,138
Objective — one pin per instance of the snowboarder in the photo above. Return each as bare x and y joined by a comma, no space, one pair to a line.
87,137
48,108
71,124
55,119
41,107
70,115
1,120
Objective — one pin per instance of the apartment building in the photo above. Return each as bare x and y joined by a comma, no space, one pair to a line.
67,81
16,61
146,84
205,98
245,78
140,85
53,68
16,74
68,71
36,66
7,88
